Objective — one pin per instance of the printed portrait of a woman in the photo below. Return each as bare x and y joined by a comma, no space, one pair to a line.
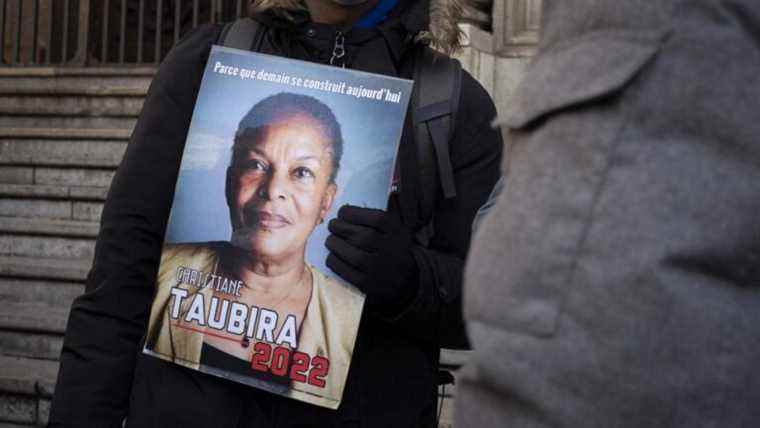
252,308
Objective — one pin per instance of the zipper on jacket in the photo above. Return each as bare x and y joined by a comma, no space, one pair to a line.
339,50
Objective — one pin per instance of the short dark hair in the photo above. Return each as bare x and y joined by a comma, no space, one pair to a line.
280,106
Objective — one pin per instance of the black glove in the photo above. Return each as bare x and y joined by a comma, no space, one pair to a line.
372,250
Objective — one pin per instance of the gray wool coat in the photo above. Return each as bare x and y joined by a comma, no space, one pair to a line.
616,283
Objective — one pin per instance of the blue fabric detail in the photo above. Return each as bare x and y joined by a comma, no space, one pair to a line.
377,14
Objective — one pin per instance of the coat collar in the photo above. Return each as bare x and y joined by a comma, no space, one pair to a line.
405,21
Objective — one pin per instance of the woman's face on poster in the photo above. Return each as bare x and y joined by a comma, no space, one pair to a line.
281,189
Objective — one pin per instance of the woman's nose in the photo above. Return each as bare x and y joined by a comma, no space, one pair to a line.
274,187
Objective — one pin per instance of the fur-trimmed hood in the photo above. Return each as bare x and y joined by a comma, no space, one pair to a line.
433,21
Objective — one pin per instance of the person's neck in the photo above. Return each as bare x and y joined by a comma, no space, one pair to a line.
270,276
327,12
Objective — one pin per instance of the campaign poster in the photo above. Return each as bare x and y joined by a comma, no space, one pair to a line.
275,147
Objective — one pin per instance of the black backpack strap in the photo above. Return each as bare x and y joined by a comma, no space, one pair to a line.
244,33
438,81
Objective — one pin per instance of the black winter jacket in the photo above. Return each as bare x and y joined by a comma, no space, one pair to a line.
392,381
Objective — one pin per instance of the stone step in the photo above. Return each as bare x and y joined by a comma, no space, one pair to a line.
51,209
56,294
28,376
62,81
69,133
84,72
67,122
46,247
36,306
86,211
52,176
40,268
67,106
73,176
15,408
31,345
88,153
53,298
24,411
16,175
34,191
38,208
45,227
111,86
33,317
12,425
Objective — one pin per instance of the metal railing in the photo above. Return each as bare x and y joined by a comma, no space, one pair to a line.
102,32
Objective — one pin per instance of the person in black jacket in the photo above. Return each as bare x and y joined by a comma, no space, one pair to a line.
413,291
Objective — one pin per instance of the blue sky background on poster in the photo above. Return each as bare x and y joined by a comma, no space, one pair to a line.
199,212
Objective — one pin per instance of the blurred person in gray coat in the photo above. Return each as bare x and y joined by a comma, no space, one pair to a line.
616,283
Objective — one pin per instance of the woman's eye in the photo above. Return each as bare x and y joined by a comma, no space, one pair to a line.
255,165
303,172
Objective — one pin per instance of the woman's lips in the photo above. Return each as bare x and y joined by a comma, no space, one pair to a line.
269,220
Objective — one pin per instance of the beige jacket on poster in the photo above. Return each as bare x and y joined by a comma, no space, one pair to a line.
328,329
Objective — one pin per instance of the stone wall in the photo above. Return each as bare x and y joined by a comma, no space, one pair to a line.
498,75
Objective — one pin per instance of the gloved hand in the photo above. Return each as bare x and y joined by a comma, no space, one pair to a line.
372,249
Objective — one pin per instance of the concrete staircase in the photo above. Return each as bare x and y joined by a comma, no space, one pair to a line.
63,132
